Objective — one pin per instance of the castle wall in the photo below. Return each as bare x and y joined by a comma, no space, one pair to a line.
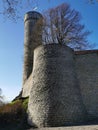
62,69
55,97
27,87
87,74
61,84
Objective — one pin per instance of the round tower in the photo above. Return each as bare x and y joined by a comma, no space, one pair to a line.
32,38
55,97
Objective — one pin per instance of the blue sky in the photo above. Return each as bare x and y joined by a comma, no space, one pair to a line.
12,40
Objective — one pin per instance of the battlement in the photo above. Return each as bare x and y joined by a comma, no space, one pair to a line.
32,15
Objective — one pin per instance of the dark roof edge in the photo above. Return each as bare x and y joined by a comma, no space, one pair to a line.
85,52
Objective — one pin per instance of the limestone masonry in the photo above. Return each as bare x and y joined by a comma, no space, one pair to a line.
62,84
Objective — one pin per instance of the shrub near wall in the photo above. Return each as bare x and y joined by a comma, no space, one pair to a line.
13,113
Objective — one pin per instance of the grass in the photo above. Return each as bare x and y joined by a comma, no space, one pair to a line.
13,115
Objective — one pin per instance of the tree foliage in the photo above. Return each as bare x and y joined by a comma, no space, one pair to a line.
1,97
0,93
62,25
93,1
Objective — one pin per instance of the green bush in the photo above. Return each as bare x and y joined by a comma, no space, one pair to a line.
25,103
14,113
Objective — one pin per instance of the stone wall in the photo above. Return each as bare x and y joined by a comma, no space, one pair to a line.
87,74
63,84
27,87
86,127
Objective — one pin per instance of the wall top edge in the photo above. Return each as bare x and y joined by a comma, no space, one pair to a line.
32,15
54,45
83,52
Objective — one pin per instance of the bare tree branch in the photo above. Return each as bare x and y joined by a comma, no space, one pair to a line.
62,26
12,8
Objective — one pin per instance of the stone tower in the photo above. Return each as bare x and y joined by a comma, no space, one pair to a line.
31,40
55,98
